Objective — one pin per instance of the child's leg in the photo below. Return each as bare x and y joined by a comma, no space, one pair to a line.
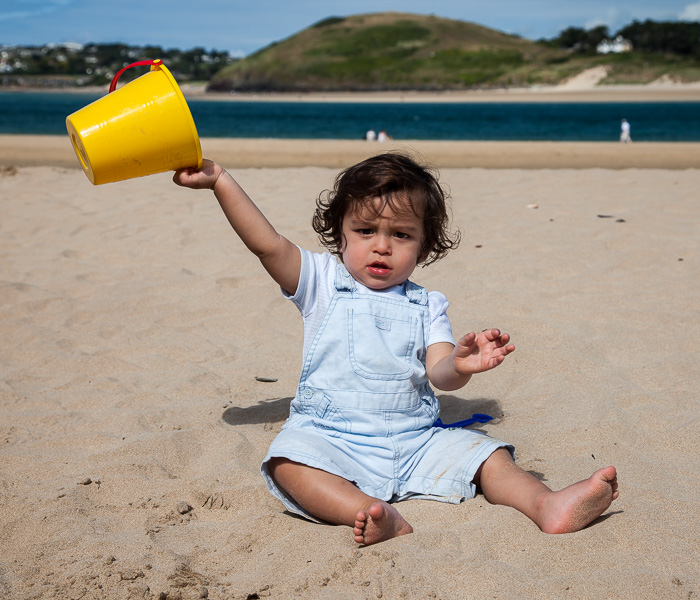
565,511
338,501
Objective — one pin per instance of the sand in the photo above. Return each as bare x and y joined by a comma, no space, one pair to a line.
57,151
135,324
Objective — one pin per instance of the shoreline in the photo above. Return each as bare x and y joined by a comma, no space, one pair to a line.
658,91
56,151
666,92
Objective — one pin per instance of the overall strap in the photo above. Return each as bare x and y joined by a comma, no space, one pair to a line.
343,280
416,294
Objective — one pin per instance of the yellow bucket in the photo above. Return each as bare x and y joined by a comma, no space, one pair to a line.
144,127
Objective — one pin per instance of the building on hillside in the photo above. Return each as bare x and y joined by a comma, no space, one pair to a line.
616,46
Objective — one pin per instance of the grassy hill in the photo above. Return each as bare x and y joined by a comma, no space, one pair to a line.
396,51
383,51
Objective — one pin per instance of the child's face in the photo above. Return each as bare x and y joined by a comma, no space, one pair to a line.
381,250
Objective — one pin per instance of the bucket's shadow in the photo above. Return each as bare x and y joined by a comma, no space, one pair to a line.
276,410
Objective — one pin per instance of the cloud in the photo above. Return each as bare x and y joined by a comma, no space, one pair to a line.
25,9
612,17
690,13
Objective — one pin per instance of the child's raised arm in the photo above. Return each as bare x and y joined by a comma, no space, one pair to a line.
451,367
277,254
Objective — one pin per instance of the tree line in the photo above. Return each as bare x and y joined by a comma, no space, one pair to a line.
658,37
96,64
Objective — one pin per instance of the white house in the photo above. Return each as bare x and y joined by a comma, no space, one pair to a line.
617,46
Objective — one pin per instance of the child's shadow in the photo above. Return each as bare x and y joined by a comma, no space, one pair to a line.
453,409
276,410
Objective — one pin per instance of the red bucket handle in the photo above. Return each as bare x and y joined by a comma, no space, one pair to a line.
141,63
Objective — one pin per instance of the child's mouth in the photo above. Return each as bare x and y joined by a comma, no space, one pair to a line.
378,269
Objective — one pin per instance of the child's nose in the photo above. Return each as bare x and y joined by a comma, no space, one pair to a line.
382,244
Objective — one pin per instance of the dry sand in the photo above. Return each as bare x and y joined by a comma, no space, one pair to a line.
132,424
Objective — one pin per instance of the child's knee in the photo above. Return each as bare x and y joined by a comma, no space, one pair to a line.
499,459
278,464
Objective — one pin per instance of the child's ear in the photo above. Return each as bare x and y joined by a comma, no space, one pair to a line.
340,246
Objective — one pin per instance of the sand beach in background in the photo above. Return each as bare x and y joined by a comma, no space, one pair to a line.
57,151
136,328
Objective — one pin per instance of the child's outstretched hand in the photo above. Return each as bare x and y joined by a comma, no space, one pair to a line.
204,178
479,352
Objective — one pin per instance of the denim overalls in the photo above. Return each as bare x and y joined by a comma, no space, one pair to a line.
364,409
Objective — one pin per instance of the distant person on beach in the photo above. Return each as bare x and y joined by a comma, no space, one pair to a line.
383,136
363,431
625,132
371,135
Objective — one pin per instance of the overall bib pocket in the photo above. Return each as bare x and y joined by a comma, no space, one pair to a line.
381,346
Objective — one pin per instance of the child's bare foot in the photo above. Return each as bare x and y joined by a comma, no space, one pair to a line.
379,522
574,507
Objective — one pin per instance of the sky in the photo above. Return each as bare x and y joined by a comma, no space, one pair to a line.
243,26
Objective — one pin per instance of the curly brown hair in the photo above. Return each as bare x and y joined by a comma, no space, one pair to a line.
396,178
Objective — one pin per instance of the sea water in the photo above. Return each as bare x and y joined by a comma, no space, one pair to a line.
45,113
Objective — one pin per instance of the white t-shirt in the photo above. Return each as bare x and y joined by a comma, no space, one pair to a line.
317,285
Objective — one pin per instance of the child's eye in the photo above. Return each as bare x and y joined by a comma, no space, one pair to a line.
401,235
365,231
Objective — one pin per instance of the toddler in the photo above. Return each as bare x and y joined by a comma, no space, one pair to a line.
361,433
